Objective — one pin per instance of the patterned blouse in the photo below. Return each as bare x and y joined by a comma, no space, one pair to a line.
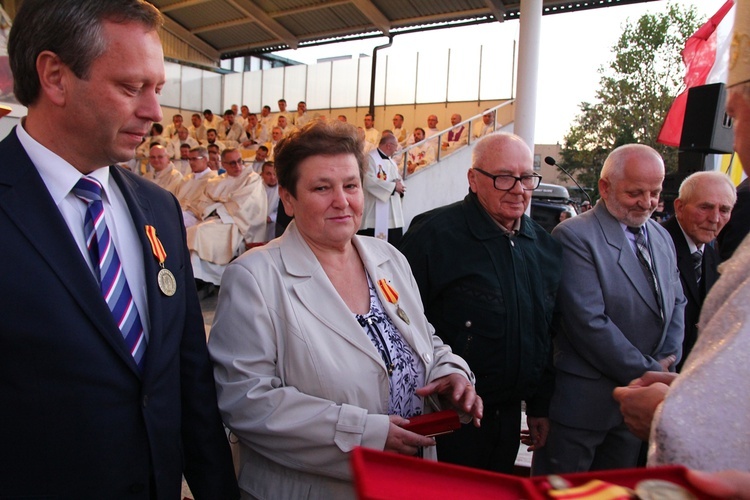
405,369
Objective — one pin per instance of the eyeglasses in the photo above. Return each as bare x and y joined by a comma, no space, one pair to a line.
195,158
505,182
233,163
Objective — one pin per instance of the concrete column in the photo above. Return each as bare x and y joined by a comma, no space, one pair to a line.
528,70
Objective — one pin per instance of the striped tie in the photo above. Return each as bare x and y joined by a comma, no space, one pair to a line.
108,269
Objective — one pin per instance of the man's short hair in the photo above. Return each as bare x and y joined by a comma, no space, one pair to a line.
614,166
267,164
282,100
399,115
200,150
197,114
263,148
212,146
267,107
207,112
228,112
212,130
72,29
158,127
491,146
387,138
227,151
690,187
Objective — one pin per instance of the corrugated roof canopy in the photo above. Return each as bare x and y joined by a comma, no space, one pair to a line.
229,28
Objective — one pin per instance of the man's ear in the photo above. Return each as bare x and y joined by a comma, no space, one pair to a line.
53,77
472,176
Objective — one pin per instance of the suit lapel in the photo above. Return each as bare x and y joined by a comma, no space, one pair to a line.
27,203
316,292
627,260
684,260
376,264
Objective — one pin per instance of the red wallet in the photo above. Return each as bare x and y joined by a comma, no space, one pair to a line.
434,424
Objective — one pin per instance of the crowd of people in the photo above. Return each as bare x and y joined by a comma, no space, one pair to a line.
224,216
248,132
615,331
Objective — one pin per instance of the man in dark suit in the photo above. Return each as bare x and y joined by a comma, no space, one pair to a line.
622,309
701,211
107,385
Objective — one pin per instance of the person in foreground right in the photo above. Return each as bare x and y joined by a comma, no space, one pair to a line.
703,421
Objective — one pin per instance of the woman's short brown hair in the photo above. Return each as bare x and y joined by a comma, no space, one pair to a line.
315,139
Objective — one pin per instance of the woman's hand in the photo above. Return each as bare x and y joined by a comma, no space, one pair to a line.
459,392
405,442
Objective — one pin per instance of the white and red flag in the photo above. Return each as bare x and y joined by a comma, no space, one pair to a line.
706,57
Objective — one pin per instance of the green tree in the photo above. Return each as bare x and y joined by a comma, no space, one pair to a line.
635,91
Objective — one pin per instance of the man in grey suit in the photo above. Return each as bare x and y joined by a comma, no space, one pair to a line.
621,306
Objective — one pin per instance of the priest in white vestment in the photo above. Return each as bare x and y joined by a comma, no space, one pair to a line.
162,172
383,215
233,214
194,183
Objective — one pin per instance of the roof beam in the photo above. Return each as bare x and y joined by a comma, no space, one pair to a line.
316,36
441,18
272,26
497,7
191,39
372,13
308,8
181,5
219,26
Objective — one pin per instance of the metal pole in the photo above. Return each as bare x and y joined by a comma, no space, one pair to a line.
373,72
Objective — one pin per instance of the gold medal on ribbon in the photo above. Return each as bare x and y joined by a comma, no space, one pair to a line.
391,295
165,278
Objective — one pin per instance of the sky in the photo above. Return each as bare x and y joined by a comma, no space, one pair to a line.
573,47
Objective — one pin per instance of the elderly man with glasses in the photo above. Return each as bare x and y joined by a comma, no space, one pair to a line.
488,276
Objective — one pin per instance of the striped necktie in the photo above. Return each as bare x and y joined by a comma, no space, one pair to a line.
644,258
109,270
697,257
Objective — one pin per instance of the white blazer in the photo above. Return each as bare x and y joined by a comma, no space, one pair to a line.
298,380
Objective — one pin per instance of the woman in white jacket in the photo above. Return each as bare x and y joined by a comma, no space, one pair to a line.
320,342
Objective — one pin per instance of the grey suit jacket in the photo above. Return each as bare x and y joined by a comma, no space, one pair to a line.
612,329
299,382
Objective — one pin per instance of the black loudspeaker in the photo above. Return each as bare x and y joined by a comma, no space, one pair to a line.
707,128
689,162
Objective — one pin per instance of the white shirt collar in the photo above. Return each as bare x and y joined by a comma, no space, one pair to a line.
58,175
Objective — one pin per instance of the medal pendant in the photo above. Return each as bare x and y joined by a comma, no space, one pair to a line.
167,283
402,315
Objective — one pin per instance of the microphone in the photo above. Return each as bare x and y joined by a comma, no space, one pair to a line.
551,161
